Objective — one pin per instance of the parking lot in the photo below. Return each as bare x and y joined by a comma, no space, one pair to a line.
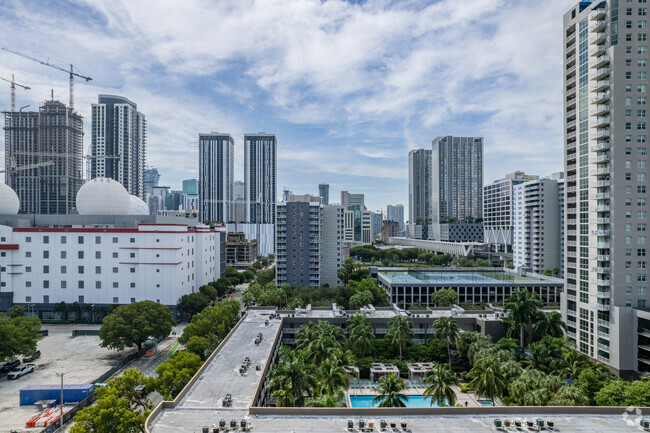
80,359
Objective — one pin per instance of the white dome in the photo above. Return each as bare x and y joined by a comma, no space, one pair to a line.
9,203
102,196
138,207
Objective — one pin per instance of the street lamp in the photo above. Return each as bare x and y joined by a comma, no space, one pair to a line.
61,416
92,306
31,306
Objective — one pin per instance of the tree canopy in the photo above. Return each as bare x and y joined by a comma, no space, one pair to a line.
132,324
18,336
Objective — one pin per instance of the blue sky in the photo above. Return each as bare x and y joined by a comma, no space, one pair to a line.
348,87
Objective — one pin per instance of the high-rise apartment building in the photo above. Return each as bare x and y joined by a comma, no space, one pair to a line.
537,225
239,204
498,210
151,177
457,188
260,177
419,193
118,143
216,176
308,242
605,61
356,204
396,214
49,140
324,192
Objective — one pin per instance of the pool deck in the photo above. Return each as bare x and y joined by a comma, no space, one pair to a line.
461,397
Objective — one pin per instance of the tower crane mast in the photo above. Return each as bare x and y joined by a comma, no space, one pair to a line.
47,63
13,90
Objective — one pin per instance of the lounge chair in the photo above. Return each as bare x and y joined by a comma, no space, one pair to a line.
393,425
362,424
353,384
376,383
404,425
382,424
517,423
408,383
549,424
350,425
371,425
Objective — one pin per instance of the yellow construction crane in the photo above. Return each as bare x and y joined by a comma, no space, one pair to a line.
47,63
13,90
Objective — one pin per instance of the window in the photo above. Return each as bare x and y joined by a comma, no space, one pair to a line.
46,254
641,88
28,269
115,285
132,299
640,164
628,125
98,254
642,75
640,113
628,50
642,24
64,254
115,270
640,252
628,151
46,284
641,214
628,113
64,240
116,300
81,299
114,255
643,12
46,239
640,303
628,37
640,151
28,253
81,284
640,202
641,290
640,189
80,254
132,255
640,101
64,284
132,240
64,269
640,277
132,285
628,138
46,299
641,227
80,239
628,11
642,37
114,240
640,125
28,284
28,239
628,164
98,239
46,269
641,63
98,269
98,284
640,177
80,270
132,270
628,62
628,101
641,50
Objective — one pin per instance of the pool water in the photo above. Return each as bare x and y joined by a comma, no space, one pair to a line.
413,401
486,403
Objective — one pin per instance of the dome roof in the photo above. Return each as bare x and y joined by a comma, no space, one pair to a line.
102,196
9,203
138,207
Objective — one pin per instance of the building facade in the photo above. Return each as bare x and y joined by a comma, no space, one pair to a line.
456,181
498,210
105,260
396,213
538,234
216,176
240,253
260,177
605,154
324,192
419,193
118,143
50,142
354,203
308,242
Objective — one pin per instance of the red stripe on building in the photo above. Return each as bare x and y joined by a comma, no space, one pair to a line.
8,246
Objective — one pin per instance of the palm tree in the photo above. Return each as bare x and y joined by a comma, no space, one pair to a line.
357,320
292,379
327,400
486,379
522,307
440,379
550,324
331,377
390,392
362,338
305,335
570,365
400,332
446,328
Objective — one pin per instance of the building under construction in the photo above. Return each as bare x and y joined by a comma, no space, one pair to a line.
44,157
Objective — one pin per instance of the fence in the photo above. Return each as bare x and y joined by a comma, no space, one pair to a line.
70,414
81,332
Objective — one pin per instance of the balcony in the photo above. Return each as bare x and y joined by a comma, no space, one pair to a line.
602,171
571,334
602,196
598,25
571,254
570,82
602,258
571,244
570,61
571,313
600,85
571,167
602,322
601,73
601,183
600,97
601,147
571,114
598,38
571,103
603,347
571,49
601,133
571,178
600,208
571,125
601,61
601,121
597,14
603,295
602,334
571,71
599,50
571,297
571,134
603,245
602,220
601,109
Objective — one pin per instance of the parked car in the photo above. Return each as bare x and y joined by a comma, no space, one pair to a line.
20,371
141,390
33,357
9,365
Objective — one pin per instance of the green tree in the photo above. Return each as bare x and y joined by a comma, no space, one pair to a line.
347,270
522,307
400,332
638,394
362,338
465,341
266,276
570,365
613,394
209,292
16,311
292,380
131,324
193,303
119,407
176,372
330,378
18,335
487,379
360,299
390,392
568,395
198,345
446,328
327,400
444,297
440,381
591,380
213,323
550,324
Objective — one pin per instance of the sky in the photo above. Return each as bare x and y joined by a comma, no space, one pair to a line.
348,87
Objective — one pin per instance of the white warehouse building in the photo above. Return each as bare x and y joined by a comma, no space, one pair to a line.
103,260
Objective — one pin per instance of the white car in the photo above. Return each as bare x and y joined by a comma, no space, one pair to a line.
20,371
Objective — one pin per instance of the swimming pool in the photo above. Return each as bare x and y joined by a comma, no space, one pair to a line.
414,401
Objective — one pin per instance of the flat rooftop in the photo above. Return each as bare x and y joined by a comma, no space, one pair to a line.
462,277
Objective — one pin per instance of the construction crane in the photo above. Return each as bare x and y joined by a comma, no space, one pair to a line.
47,63
13,90
28,167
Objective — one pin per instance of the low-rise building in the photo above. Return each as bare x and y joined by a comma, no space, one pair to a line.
240,253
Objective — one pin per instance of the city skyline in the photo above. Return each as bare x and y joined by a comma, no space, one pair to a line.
341,128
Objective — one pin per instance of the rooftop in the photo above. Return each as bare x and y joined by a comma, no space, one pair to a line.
464,276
